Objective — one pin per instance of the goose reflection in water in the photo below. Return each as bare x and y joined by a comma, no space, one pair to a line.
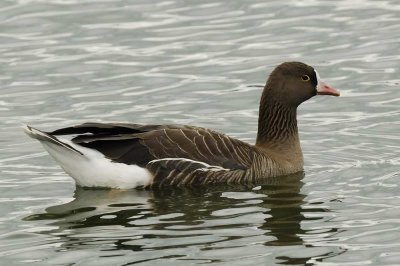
265,221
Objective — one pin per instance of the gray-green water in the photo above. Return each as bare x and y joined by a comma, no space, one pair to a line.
200,62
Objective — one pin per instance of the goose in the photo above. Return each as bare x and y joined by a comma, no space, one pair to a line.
125,156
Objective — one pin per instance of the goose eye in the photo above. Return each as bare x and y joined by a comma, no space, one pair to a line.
305,78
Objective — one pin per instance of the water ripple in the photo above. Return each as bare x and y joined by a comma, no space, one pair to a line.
65,62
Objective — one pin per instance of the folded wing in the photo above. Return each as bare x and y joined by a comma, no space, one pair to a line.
166,150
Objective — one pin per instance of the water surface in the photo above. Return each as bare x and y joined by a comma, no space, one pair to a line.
202,63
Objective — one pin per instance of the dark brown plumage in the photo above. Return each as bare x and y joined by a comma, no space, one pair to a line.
186,155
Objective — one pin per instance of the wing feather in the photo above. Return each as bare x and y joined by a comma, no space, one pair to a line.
148,145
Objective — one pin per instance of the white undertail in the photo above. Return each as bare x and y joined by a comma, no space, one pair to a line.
88,167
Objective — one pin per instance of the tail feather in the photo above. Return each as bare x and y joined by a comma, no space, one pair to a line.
43,136
89,167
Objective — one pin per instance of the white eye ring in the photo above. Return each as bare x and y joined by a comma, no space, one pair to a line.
305,78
